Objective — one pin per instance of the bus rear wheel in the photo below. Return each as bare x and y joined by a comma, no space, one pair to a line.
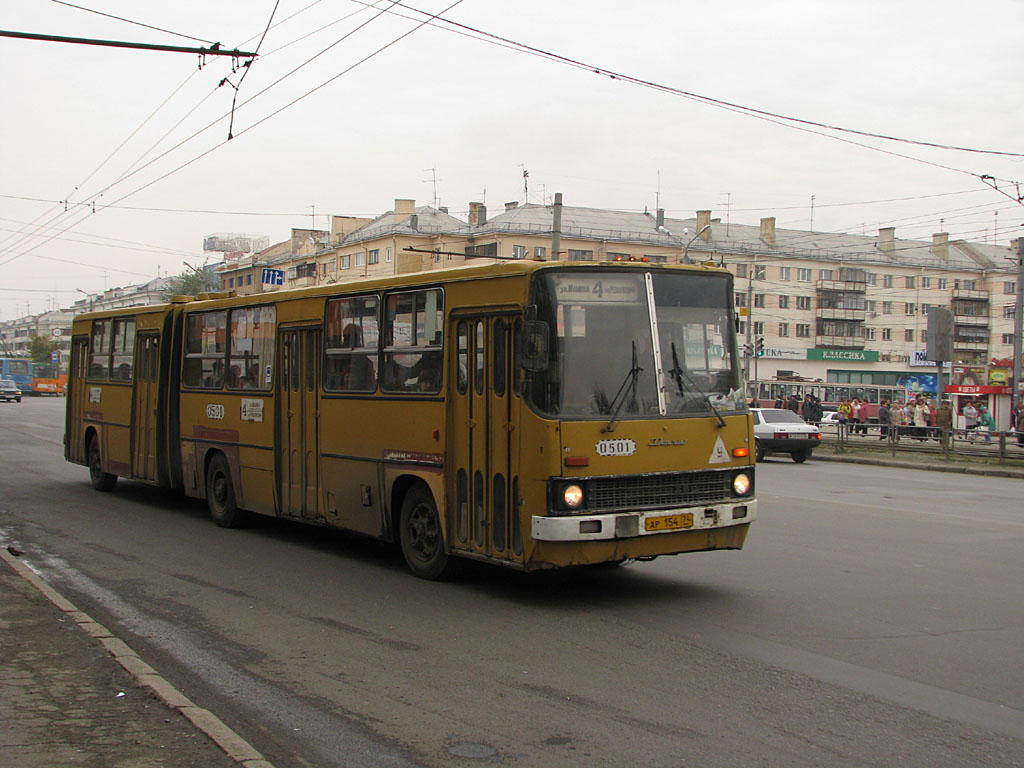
421,537
101,481
220,494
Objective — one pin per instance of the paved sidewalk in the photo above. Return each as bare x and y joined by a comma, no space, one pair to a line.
68,699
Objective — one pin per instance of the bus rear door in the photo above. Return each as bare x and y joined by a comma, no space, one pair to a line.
78,399
298,423
144,423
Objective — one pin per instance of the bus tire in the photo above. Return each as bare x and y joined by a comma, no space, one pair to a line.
421,537
101,481
220,494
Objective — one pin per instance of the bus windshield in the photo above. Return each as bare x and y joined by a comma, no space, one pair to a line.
634,344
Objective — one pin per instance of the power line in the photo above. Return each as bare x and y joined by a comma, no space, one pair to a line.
136,23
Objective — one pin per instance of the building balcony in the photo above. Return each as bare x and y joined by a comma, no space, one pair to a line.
973,344
839,342
839,313
849,286
962,293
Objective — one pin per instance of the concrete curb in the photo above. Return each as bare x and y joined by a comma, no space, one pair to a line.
233,745
961,469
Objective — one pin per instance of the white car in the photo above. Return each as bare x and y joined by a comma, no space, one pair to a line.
779,430
830,417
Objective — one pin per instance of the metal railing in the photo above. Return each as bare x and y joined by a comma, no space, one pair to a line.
1001,446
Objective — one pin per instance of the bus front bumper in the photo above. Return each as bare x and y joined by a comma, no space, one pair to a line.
624,525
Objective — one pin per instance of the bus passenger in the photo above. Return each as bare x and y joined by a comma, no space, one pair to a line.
234,377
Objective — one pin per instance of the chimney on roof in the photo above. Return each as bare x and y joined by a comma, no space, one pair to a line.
887,240
414,221
940,245
477,214
768,230
659,221
443,209
704,220
512,205
404,209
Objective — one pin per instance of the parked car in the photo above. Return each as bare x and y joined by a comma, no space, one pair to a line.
779,430
830,417
9,391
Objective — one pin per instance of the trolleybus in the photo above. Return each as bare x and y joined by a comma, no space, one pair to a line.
530,414
19,370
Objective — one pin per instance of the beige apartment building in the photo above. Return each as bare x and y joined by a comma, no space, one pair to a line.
834,307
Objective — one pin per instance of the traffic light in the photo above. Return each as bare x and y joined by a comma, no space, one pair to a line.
759,347
748,350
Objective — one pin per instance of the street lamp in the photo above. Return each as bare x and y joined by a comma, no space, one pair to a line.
87,295
686,250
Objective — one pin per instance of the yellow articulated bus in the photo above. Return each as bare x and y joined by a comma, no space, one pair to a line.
531,414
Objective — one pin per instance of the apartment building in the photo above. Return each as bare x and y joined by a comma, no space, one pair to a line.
835,307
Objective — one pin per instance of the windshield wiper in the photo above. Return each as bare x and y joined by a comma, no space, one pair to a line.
678,375
620,396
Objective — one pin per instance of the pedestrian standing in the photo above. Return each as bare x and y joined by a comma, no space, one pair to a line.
944,423
883,419
970,419
986,423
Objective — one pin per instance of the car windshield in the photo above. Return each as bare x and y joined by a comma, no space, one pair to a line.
780,416
634,344
7,383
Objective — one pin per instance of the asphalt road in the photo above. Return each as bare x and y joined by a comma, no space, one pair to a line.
874,619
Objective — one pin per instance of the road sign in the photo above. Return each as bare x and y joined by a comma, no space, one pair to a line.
273,276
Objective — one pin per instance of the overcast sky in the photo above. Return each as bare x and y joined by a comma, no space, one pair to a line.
143,135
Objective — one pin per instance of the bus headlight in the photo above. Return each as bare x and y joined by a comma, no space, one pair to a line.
741,484
572,496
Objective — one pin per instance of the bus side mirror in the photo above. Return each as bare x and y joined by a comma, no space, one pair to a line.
536,341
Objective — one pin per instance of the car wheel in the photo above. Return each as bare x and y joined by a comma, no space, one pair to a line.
421,536
101,481
758,451
801,456
220,495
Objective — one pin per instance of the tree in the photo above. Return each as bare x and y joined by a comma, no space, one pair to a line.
41,349
193,281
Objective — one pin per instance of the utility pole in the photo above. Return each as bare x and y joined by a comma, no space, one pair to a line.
750,315
1018,311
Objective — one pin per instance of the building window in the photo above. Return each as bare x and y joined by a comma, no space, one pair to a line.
926,282
519,252
783,329
803,330
825,274
760,272
869,305
231,282
886,307
741,270
758,328
374,256
783,302
332,266
656,258
540,252
759,300
783,273
887,281
1008,339
887,334
580,255
970,285
869,334
803,302
1009,312
908,334
248,279
360,259
910,281
1010,287
387,254
909,309
803,275
872,278
741,299
943,283
346,261
741,328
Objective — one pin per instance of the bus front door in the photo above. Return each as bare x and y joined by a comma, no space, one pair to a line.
147,350
484,416
298,422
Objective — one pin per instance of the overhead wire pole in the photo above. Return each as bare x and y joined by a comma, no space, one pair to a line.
1018,323
213,50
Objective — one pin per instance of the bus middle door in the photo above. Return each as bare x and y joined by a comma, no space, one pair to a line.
144,427
298,423
484,416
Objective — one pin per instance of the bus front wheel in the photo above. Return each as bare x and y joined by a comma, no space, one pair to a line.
101,481
220,494
421,537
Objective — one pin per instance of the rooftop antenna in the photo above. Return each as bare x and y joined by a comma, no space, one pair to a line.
657,194
811,228
728,208
312,216
433,180
995,228
526,184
